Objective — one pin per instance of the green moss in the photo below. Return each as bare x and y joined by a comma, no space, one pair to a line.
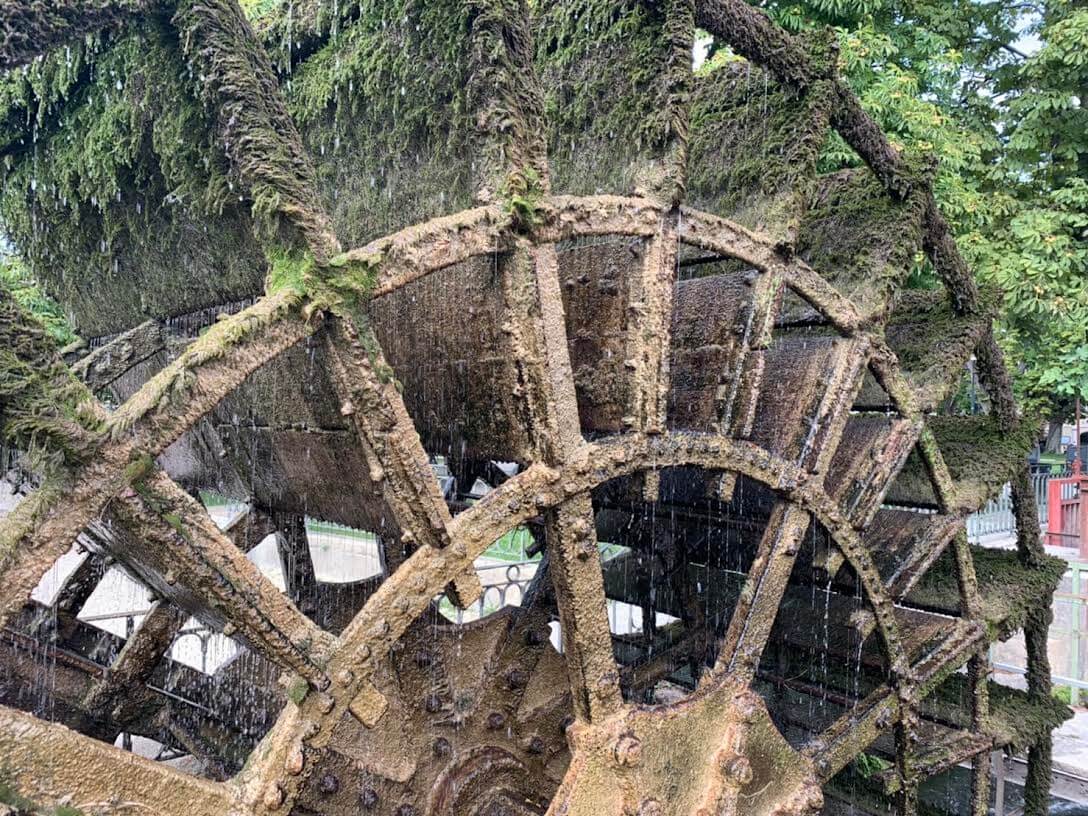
521,198
608,99
289,271
298,690
44,411
139,469
754,147
118,148
1009,591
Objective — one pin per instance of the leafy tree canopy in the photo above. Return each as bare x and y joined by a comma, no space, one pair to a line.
996,90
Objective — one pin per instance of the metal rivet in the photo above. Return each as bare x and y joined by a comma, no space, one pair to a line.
516,678
628,751
368,799
294,762
273,796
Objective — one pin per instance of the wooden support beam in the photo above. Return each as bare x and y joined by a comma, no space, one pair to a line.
44,763
133,667
371,402
759,600
168,538
44,525
106,364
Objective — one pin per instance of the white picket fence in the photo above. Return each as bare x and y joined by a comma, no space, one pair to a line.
997,518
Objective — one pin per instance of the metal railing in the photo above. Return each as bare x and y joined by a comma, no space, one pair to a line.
997,518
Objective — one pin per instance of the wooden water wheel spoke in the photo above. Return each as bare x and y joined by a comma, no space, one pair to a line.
45,760
650,310
853,732
403,712
761,596
164,532
209,369
141,655
369,398
583,616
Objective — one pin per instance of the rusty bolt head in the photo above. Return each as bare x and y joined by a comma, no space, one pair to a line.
273,796
441,747
747,706
433,703
328,785
737,770
495,720
517,678
294,762
368,798
345,677
423,658
627,751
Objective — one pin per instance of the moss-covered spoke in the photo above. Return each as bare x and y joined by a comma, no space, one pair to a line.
31,29
254,126
37,533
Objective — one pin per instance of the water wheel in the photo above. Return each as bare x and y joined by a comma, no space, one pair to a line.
718,372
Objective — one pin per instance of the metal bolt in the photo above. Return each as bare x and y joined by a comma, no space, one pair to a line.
441,747
746,706
328,785
738,770
273,796
516,678
628,751
495,720
345,677
368,799
294,762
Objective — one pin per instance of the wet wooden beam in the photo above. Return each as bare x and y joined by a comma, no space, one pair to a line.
169,540
45,763
759,600
371,402
648,330
44,525
104,365
133,667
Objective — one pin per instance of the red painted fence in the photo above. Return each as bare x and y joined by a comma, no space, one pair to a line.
1067,512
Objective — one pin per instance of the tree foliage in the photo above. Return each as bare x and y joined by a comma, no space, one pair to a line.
996,90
